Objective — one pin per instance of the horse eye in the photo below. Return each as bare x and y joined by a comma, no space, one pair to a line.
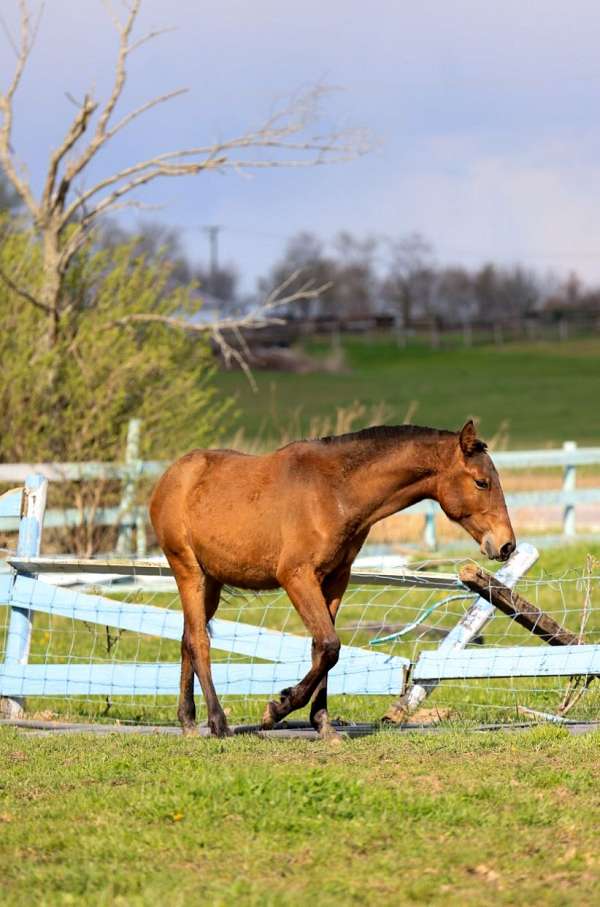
481,483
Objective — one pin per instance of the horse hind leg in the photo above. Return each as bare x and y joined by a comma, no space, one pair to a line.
333,588
305,593
186,709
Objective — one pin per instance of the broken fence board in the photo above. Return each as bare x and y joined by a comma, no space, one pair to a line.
515,606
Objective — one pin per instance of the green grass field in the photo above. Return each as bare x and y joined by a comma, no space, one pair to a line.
456,817
453,819
542,394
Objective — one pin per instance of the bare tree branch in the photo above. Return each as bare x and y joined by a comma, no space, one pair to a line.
8,36
262,316
259,317
143,108
100,135
339,146
22,292
76,130
149,37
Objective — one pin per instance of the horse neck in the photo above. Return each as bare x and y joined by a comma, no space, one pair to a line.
395,475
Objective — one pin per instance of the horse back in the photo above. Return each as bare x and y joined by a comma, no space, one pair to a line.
238,512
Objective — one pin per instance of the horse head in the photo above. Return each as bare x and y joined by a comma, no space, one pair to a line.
470,493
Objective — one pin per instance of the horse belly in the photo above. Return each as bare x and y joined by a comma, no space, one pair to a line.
237,551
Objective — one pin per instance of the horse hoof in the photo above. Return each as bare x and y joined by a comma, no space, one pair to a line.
190,730
221,733
269,717
219,727
329,735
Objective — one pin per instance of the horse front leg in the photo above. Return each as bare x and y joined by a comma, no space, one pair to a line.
333,588
306,595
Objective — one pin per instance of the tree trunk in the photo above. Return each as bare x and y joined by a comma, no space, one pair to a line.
52,280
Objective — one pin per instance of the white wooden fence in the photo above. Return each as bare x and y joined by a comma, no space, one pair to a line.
283,657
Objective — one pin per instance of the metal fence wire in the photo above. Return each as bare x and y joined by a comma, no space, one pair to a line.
101,639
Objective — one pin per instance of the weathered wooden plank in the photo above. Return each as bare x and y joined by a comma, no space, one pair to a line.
553,498
57,472
131,567
115,565
515,606
78,472
61,472
513,661
406,579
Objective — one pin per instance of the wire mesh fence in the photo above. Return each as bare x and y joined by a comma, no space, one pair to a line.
110,650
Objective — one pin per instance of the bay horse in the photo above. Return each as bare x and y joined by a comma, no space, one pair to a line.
296,518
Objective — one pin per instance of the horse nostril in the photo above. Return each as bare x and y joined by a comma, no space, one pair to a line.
507,550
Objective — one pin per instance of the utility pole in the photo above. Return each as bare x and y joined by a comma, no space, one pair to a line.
212,231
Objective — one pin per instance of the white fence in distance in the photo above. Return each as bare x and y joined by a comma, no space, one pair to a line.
130,516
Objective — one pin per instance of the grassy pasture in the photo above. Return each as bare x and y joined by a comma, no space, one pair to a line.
538,394
452,818
458,817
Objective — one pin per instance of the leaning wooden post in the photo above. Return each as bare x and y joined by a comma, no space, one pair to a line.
465,631
18,638
132,458
569,483
516,607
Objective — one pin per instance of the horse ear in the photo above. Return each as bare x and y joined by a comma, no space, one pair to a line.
469,442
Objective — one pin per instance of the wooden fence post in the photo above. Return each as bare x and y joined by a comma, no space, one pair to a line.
429,531
141,539
569,483
18,638
126,508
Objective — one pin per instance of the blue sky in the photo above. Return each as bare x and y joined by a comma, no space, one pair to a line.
487,117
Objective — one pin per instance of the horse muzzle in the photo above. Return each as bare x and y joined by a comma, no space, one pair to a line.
496,552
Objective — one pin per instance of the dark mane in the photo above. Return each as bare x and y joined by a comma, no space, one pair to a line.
382,433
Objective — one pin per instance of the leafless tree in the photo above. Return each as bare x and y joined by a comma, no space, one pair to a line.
348,267
408,279
305,255
66,213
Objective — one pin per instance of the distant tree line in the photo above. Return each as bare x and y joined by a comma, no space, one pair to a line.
374,275
364,277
